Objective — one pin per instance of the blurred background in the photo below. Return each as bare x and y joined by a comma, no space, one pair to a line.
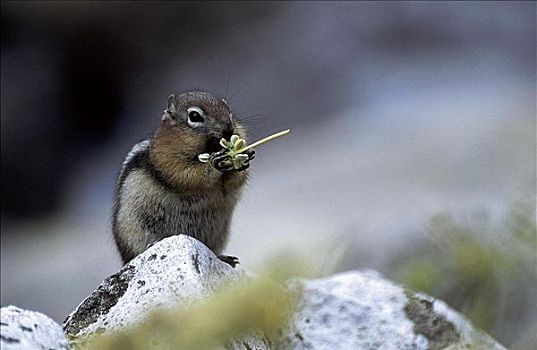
412,149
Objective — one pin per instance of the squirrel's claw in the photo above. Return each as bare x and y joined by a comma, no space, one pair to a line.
230,260
244,167
251,154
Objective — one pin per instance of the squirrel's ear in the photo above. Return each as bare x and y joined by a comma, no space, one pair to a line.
171,105
167,118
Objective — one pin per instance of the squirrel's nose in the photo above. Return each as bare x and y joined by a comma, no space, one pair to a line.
227,133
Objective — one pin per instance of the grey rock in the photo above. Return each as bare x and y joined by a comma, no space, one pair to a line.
361,310
177,271
29,330
354,310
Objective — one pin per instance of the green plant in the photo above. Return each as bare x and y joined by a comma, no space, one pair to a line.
236,147
486,270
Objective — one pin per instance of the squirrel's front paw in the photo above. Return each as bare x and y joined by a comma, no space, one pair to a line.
221,161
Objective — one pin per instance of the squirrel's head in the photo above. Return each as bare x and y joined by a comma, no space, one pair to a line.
194,122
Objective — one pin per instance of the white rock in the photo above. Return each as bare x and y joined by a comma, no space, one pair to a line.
177,271
361,310
29,330
353,310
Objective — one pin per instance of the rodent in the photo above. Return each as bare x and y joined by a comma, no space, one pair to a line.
164,190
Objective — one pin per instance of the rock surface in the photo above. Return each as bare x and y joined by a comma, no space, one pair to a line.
178,270
29,330
353,310
361,310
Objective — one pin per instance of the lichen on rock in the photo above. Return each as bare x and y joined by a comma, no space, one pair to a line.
435,327
178,271
100,301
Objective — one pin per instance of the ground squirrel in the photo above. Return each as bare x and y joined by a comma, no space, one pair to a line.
164,190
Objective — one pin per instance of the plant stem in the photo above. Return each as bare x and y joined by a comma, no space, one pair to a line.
266,139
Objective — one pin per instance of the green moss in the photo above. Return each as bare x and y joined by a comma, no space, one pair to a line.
482,267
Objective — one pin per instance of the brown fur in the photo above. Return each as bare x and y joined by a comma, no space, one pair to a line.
174,153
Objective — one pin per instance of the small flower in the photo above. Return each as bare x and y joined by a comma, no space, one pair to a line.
236,145
225,143
234,139
239,160
239,144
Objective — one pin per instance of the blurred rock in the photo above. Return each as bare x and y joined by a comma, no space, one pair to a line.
361,310
354,310
28,330
178,270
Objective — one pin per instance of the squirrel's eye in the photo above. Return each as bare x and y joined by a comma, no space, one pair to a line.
195,117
